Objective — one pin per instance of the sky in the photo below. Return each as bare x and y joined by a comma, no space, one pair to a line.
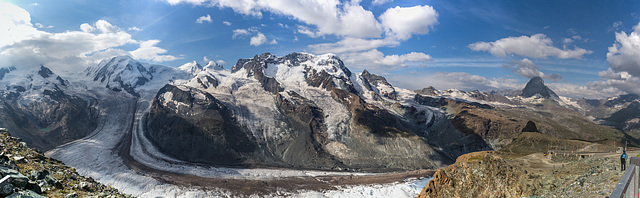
587,49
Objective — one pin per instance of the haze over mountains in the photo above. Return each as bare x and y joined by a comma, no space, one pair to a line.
299,111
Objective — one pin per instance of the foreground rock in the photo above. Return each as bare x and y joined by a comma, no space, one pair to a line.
31,174
491,174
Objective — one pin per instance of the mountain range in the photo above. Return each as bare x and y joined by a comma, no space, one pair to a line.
299,111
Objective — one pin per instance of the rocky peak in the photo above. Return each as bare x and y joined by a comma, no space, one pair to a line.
429,91
536,86
378,84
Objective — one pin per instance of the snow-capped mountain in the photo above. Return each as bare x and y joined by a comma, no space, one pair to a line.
123,73
299,111
38,106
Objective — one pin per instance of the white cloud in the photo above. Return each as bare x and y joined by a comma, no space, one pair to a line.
404,22
240,33
377,61
221,62
306,31
148,51
351,44
327,16
203,19
624,54
380,2
535,46
227,23
258,39
21,43
135,29
526,68
450,80
39,25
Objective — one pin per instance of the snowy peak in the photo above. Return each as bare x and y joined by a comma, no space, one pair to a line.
33,81
296,69
212,65
121,73
536,86
191,67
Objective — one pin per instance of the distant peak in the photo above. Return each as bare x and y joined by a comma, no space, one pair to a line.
191,67
536,86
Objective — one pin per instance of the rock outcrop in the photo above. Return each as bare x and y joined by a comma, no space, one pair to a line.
489,174
30,174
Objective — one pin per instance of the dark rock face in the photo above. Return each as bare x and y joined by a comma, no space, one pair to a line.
255,67
429,91
530,127
373,81
623,119
305,148
51,123
5,70
621,100
536,86
196,128
52,120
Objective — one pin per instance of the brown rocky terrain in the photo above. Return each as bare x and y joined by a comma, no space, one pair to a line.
31,174
502,174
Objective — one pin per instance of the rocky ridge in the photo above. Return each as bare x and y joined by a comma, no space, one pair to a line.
491,174
31,174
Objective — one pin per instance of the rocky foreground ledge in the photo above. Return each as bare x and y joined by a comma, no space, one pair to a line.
494,174
31,174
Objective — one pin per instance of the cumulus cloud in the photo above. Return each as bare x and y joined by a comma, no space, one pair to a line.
227,23
535,46
335,17
351,44
402,23
203,19
624,54
21,43
377,61
258,39
328,17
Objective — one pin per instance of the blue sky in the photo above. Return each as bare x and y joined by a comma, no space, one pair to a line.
469,45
